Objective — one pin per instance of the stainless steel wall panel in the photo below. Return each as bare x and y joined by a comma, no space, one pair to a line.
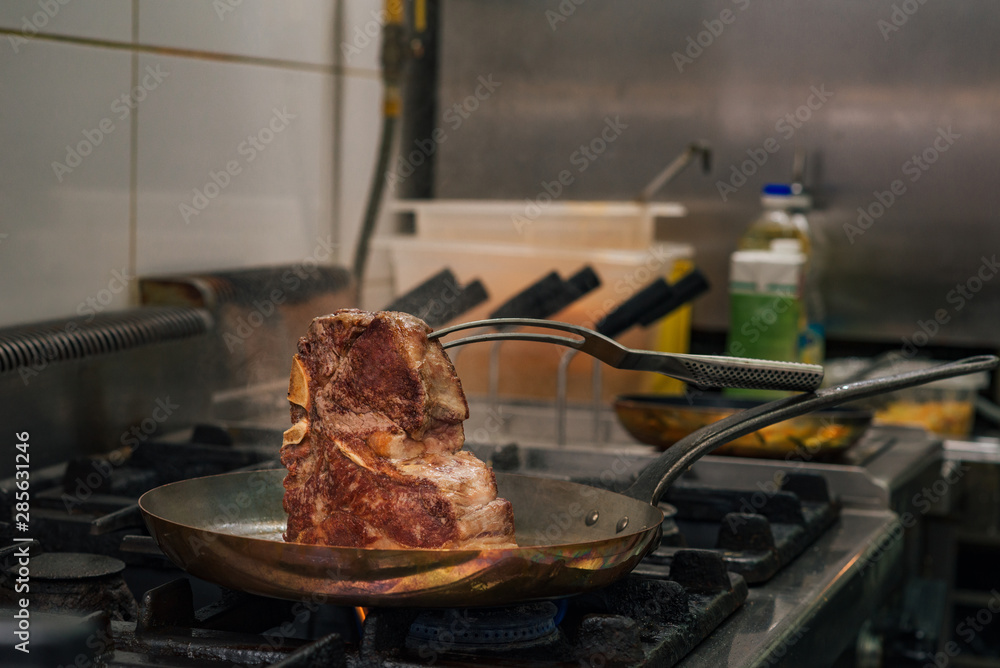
892,94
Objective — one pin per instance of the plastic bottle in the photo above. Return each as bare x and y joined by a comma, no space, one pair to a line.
784,217
765,306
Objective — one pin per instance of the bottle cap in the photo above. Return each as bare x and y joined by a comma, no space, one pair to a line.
778,190
785,196
786,245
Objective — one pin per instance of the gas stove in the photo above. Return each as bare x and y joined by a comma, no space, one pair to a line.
762,563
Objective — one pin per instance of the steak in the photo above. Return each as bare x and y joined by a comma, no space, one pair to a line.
374,454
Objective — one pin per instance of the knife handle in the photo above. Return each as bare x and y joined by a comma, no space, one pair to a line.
681,292
416,301
628,312
573,288
471,295
532,301
583,281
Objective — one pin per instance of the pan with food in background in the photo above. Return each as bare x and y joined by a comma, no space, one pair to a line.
662,421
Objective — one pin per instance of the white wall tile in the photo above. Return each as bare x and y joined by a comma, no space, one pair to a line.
63,238
93,19
274,208
297,30
360,41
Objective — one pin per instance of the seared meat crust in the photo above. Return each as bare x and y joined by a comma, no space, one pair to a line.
374,453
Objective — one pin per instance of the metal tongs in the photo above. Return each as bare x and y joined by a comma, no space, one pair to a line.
704,371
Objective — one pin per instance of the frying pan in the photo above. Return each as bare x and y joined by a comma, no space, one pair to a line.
662,421
571,537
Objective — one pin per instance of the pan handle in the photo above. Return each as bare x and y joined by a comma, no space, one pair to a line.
658,476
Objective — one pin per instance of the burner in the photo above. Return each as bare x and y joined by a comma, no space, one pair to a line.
81,582
484,630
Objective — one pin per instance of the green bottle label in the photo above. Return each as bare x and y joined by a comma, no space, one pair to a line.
763,326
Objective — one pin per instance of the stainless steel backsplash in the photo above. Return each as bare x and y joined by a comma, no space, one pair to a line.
862,86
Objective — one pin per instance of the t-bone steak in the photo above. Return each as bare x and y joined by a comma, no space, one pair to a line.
374,454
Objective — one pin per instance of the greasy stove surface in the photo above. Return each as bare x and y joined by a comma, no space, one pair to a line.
639,621
807,610
681,606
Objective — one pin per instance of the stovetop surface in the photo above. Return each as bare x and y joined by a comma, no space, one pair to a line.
810,605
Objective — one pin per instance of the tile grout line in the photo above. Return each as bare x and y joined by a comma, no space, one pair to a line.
201,55
133,167
335,224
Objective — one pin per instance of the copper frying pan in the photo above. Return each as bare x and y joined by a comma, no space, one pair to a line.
571,537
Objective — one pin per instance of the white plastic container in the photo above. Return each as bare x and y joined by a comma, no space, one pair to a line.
559,224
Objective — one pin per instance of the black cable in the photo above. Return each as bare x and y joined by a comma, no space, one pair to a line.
374,201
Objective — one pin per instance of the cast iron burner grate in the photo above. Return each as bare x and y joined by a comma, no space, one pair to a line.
757,532
486,629
83,583
638,621
89,504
